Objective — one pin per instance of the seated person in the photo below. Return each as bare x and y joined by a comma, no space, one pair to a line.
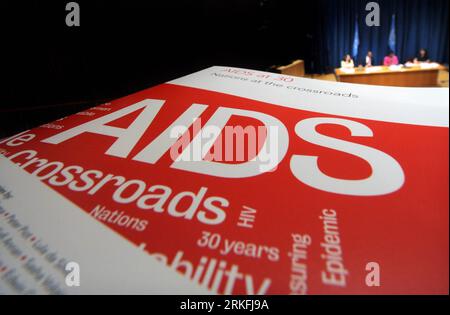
347,62
422,56
391,59
369,59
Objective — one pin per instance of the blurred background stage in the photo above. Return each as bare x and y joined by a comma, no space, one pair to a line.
50,70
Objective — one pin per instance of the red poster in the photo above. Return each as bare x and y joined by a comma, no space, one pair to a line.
247,182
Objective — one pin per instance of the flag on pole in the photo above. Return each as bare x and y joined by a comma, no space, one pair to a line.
392,34
356,40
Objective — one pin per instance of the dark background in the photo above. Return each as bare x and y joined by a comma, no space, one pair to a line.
50,70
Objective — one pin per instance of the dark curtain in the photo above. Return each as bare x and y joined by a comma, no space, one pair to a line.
419,23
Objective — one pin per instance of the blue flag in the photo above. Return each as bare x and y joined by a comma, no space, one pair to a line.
356,40
392,34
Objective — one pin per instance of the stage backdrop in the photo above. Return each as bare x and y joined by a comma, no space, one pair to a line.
417,24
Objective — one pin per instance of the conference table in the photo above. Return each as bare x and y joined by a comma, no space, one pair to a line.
410,75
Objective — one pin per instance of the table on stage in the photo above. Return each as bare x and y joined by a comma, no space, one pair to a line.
423,75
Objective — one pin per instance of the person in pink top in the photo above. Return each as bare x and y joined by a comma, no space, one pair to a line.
391,59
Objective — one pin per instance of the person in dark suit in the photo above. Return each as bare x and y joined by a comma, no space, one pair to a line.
422,56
